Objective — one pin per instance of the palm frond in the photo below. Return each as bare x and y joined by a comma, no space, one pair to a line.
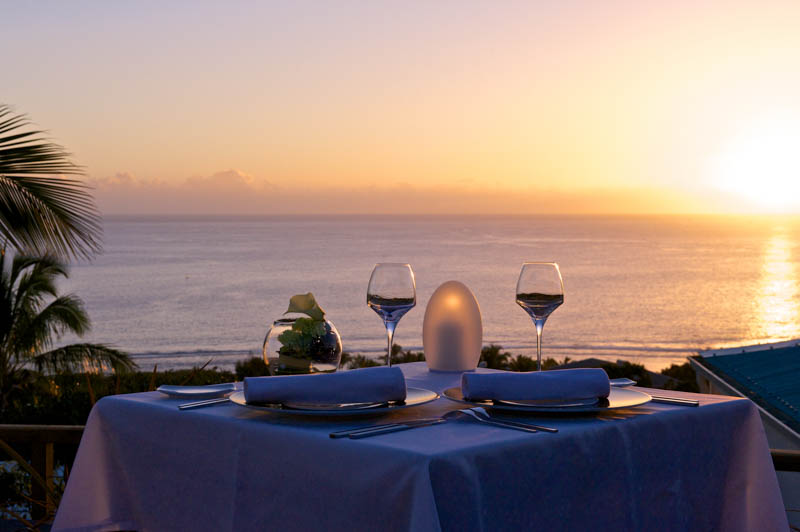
34,278
6,301
76,356
28,286
37,331
41,210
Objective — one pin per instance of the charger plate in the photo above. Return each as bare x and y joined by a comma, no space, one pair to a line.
617,398
414,397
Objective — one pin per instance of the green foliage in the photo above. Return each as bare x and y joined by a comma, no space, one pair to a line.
685,378
65,399
683,372
628,370
42,210
306,304
493,357
350,361
526,363
522,363
303,339
408,356
403,357
32,317
252,367
551,363
360,361
13,484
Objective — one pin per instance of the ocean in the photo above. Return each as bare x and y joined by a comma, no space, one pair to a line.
178,291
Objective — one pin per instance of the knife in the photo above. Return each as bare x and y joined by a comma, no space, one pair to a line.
207,402
674,400
348,432
386,430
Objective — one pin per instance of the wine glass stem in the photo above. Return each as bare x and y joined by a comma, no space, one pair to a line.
390,326
539,326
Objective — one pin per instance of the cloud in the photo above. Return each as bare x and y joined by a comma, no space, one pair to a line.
237,192
225,192
227,180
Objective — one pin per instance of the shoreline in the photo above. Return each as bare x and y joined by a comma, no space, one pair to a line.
226,360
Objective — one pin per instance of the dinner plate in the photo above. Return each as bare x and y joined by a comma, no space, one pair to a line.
414,397
196,392
617,398
621,383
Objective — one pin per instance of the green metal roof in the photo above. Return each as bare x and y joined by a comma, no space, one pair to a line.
769,375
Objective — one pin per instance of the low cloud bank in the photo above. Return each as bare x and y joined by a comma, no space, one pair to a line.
236,192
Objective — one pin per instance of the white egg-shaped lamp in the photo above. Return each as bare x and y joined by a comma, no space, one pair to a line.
452,331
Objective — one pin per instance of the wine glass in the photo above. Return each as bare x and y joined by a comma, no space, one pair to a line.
391,293
540,291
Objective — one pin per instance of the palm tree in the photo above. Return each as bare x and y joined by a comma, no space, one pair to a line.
494,357
41,210
33,316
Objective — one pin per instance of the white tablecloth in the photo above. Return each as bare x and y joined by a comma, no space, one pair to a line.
145,465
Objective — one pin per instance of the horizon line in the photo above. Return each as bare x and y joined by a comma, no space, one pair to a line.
455,215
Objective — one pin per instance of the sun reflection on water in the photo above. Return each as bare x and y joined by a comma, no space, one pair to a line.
777,309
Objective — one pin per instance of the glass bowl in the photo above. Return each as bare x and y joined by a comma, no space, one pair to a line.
301,345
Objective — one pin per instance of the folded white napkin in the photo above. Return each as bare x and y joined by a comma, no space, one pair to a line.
557,385
367,385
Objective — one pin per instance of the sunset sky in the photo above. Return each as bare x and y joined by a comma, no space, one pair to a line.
405,107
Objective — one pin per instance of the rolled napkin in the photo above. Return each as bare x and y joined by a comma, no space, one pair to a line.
367,385
554,385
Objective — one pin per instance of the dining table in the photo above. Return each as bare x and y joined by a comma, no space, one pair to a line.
144,464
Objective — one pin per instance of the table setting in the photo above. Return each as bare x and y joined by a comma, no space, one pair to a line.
434,445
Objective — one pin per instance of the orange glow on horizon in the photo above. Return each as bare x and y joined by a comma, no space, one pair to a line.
579,107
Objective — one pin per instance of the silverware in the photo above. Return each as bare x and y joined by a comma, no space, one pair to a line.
377,430
481,412
347,432
207,402
396,428
488,421
674,400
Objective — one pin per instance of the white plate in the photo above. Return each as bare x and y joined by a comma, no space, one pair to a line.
414,397
618,398
196,392
621,383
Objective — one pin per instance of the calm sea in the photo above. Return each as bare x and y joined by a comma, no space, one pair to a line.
179,291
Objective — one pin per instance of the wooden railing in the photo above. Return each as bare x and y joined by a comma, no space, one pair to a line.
41,439
785,460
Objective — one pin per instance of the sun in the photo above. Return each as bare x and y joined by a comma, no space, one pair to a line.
762,165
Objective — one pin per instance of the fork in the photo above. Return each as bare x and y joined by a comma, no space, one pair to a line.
452,414
489,421
481,412
367,432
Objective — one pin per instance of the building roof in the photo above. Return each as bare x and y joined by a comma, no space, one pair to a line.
768,374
